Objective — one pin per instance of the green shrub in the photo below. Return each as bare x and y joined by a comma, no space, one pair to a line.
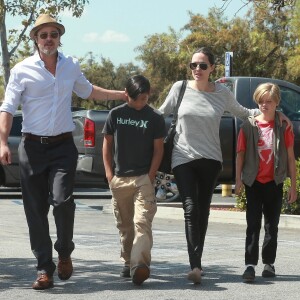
241,200
291,209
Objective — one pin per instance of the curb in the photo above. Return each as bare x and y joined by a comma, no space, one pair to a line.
174,211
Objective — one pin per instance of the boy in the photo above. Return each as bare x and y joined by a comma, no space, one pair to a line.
134,132
265,156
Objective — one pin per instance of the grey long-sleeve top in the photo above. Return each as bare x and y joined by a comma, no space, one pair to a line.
199,117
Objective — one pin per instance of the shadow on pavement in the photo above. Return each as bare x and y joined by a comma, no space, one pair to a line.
94,276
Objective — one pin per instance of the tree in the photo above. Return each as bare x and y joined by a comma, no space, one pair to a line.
104,73
163,62
273,42
262,41
274,5
265,44
29,10
293,54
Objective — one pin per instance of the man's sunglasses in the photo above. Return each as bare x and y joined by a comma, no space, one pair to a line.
202,66
53,35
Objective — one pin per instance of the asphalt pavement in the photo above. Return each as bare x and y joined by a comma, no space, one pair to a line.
97,266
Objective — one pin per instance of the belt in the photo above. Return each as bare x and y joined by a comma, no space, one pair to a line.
47,139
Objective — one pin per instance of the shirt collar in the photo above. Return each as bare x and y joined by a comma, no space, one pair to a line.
37,58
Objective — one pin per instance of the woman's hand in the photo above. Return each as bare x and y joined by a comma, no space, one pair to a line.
284,118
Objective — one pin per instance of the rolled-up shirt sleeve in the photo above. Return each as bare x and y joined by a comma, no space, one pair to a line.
13,93
82,87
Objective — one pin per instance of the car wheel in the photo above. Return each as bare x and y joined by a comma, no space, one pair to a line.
166,188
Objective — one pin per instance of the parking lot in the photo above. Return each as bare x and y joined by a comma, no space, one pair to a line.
97,265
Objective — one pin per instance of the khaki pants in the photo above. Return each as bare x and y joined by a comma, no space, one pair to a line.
134,207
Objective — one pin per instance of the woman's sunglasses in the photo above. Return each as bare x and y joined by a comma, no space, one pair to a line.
53,35
202,66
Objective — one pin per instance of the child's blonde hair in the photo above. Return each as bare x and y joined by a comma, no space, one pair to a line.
269,88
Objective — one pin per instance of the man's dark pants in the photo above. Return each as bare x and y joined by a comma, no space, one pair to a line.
47,174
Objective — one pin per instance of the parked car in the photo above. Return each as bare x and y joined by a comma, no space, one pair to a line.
9,175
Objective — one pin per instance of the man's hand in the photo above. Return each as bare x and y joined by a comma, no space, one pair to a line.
5,155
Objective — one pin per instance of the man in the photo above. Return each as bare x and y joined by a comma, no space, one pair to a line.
43,84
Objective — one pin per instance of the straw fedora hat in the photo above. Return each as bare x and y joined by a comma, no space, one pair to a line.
45,19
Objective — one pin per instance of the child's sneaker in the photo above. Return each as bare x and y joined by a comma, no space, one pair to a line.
125,272
249,274
269,271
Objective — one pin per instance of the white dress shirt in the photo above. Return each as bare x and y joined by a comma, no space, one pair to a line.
45,99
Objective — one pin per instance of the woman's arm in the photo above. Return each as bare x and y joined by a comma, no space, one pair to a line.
240,156
284,118
169,104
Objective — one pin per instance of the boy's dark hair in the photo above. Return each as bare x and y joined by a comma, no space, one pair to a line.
137,85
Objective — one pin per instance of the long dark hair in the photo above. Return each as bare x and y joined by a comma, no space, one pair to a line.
206,51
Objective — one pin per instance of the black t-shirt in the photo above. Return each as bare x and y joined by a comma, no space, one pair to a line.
134,132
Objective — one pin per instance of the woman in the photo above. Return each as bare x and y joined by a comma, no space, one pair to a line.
197,157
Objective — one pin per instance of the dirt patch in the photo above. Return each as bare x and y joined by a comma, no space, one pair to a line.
226,208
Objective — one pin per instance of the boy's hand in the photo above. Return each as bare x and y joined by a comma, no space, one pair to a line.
239,186
109,176
152,177
292,195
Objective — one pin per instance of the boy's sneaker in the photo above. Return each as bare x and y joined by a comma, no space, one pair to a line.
249,274
140,274
269,271
125,272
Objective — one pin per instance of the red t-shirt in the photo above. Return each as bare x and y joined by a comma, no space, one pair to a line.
265,149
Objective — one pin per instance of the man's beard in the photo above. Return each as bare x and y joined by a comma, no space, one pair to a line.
48,52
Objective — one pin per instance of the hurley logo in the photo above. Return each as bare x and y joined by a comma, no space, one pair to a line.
130,122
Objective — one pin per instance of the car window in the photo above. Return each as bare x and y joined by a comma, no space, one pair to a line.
290,103
16,126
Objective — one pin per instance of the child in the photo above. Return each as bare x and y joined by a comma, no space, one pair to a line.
133,141
265,156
